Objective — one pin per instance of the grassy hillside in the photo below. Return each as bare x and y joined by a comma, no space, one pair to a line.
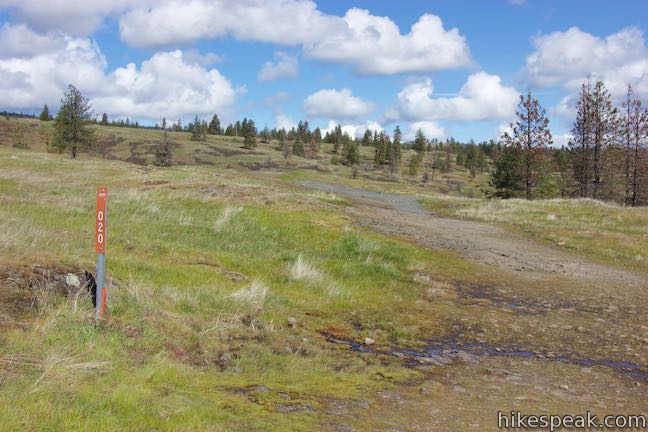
138,146
205,267
239,301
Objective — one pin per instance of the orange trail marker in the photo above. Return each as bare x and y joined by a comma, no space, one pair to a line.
100,248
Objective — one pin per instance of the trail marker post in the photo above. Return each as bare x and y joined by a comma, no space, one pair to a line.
100,248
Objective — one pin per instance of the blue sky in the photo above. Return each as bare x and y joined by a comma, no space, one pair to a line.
330,62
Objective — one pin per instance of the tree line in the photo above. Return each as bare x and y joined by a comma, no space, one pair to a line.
606,157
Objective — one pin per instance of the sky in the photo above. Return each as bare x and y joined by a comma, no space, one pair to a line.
451,68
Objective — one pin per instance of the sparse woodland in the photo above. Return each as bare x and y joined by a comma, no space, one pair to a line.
605,159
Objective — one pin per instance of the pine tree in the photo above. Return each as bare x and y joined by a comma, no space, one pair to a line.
164,152
19,138
379,152
313,149
367,138
351,153
214,126
164,123
603,114
448,159
580,144
198,130
635,120
419,142
265,135
415,164
395,152
298,147
532,136
104,119
45,114
337,138
508,174
70,125
248,129
285,148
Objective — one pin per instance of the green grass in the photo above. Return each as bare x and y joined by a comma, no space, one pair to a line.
173,315
209,260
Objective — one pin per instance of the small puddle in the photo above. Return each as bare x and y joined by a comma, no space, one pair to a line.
447,352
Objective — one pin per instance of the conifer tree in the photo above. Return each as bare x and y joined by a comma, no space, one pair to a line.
164,152
351,153
19,138
215,126
580,144
419,142
248,129
45,114
395,152
531,136
70,126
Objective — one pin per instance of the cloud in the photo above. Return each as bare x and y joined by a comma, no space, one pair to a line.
41,73
337,104
286,22
276,99
168,83
567,58
285,66
196,57
374,45
430,129
75,17
371,44
355,130
563,139
283,121
482,97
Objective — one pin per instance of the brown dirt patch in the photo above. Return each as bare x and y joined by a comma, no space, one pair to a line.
22,289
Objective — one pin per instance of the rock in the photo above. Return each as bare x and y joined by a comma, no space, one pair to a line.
72,280
288,350
423,390
564,387
225,357
292,322
369,341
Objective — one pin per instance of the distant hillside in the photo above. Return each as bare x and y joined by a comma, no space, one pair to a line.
137,146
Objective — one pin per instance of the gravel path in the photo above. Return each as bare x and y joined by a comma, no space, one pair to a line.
402,216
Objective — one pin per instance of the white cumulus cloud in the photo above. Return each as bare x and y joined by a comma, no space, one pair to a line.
282,121
430,129
169,83
375,45
166,84
40,74
337,104
284,66
371,44
354,130
567,58
288,22
482,97
76,17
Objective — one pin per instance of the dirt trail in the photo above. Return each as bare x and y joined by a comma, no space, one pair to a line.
401,215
